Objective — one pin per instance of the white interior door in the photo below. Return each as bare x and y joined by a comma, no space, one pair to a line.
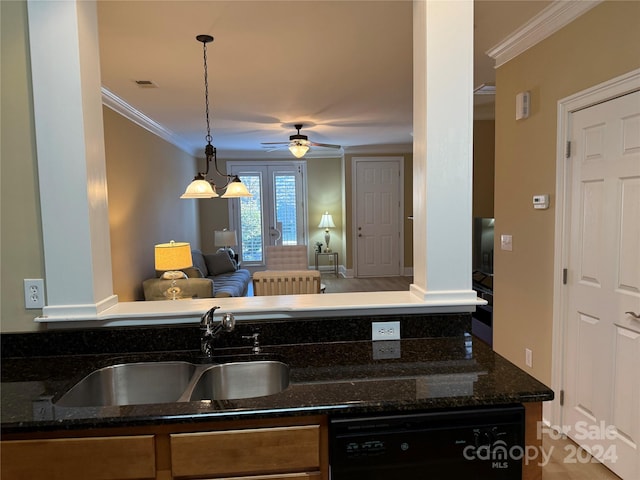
378,211
602,353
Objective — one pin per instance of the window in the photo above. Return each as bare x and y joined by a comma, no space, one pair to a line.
276,214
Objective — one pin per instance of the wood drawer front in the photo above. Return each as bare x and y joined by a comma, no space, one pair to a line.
95,458
246,451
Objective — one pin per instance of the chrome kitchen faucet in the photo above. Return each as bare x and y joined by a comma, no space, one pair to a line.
209,331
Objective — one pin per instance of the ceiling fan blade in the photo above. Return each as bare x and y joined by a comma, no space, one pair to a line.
274,143
326,145
271,148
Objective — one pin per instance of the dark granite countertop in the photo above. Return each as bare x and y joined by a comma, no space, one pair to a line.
328,376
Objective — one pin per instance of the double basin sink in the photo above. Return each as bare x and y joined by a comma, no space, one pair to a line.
176,381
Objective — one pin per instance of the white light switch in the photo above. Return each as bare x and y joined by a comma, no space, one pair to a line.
506,242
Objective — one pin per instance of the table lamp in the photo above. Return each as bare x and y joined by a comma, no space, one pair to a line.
326,222
170,258
226,239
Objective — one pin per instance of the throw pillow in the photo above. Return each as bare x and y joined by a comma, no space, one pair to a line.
193,272
220,262
199,263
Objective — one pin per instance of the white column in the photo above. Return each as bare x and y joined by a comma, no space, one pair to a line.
65,67
442,152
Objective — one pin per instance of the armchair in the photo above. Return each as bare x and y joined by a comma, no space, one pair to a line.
286,282
286,257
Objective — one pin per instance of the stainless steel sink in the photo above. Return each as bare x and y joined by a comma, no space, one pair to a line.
241,380
130,384
169,382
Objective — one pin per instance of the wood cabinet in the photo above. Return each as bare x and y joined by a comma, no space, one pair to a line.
246,452
295,448
274,449
96,458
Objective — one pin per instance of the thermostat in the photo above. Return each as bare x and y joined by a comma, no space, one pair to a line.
541,201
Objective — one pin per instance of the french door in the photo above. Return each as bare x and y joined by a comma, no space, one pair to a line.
276,214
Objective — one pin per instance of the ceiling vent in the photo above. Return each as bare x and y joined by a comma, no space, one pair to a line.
146,84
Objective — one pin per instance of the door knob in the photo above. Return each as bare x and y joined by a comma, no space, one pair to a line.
634,315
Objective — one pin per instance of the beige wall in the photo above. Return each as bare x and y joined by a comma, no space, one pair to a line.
21,249
325,193
600,45
145,177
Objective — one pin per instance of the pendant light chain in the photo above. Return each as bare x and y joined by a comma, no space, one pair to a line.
201,187
206,92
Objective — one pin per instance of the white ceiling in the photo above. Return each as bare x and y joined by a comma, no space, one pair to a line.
341,68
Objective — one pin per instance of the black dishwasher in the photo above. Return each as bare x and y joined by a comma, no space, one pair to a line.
473,443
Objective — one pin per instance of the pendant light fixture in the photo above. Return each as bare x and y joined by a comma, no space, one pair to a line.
200,187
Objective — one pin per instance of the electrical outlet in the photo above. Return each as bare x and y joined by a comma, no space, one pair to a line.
386,349
385,331
528,357
33,293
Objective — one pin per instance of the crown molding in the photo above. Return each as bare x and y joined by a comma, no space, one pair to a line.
386,149
118,105
554,17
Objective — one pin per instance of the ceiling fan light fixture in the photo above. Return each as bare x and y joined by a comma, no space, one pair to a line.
298,149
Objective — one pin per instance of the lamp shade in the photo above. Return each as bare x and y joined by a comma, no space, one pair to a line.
199,188
326,221
173,256
225,238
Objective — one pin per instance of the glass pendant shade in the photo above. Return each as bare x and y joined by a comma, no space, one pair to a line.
236,189
298,149
200,188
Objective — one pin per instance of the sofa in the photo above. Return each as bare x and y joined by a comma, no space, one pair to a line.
212,275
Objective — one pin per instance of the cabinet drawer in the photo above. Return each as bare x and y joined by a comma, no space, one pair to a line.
97,458
246,451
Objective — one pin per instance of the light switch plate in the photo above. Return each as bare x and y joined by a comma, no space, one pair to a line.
506,242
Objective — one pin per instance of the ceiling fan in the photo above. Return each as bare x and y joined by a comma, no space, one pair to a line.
298,144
